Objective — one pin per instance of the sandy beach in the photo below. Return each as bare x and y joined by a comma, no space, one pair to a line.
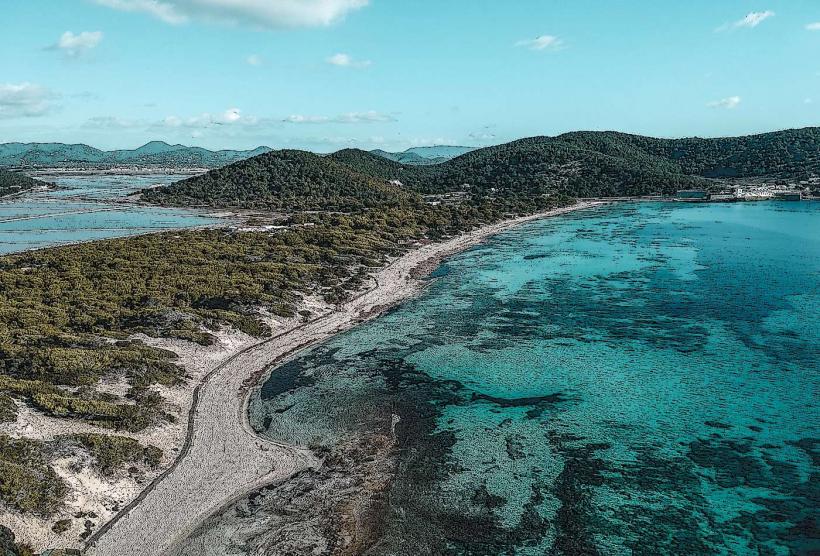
222,458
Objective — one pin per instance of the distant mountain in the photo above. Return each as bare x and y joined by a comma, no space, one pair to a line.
440,151
418,156
12,183
155,153
406,158
580,164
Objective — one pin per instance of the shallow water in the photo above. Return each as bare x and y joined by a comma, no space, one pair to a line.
87,207
634,379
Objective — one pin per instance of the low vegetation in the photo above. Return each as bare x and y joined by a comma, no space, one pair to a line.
8,411
8,546
12,183
27,482
111,453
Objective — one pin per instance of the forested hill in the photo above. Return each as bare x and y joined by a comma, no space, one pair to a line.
788,154
579,164
292,180
14,182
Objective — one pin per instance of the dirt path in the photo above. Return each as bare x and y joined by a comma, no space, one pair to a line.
223,458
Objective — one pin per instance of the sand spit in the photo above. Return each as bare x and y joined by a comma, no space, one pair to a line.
222,458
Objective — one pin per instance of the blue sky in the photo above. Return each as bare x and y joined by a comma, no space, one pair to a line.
326,74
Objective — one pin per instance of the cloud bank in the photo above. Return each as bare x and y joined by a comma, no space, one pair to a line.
369,117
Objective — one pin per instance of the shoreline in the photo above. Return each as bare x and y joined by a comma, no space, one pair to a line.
223,458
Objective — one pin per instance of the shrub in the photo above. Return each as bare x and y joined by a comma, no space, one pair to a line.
111,453
27,482
8,411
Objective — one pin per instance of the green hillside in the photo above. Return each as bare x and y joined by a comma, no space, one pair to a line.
374,165
292,180
547,165
789,154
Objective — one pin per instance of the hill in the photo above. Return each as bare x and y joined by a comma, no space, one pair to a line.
373,165
579,164
288,179
546,164
14,182
424,155
612,163
155,153
788,154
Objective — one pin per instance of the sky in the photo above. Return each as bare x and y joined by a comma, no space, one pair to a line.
392,74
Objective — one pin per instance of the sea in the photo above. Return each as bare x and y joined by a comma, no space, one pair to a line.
637,378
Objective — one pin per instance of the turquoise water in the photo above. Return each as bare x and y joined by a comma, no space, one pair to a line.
87,207
634,379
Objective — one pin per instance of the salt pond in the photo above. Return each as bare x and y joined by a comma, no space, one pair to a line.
88,207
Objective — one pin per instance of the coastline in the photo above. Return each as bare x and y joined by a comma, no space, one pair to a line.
222,457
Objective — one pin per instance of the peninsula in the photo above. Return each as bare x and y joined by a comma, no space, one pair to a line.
126,364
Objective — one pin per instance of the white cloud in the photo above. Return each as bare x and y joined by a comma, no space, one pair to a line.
172,121
813,26
430,142
368,117
481,136
230,117
749,21
24,100
728,103
346,61
76,45
300,119
255,60
159,9
542,42
111,122
272,14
